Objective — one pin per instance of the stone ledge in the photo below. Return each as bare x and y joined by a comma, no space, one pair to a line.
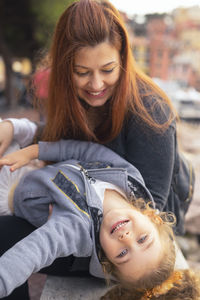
73,288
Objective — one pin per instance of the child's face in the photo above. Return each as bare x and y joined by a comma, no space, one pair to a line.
130,241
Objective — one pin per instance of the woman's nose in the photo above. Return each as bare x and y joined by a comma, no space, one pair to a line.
96,82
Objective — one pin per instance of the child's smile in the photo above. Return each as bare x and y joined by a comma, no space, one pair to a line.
129,239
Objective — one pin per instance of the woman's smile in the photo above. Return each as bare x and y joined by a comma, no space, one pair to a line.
95,94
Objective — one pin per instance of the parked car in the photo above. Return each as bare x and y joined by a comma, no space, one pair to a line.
185,100
187,103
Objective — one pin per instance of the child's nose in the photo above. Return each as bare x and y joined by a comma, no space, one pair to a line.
125,236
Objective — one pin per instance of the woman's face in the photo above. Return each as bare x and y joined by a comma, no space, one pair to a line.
96,73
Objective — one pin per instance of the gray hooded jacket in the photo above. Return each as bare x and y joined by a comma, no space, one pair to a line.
73,227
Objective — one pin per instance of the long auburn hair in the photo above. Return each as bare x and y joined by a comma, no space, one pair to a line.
89,23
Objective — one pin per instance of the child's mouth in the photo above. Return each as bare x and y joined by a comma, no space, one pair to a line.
118,225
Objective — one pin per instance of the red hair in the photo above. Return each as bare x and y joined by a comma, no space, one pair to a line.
89,23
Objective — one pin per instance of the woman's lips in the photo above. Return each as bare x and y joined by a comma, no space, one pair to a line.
118,225
95,95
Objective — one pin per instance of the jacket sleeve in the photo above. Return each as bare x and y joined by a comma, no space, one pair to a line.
80,150
32,198
24,131
38,250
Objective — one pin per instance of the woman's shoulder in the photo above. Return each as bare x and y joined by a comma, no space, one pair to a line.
160,113
155,106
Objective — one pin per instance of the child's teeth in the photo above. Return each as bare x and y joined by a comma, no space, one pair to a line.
119,225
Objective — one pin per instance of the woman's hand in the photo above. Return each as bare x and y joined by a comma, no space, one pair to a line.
20,158
6,136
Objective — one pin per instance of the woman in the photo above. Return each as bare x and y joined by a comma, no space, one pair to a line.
97,93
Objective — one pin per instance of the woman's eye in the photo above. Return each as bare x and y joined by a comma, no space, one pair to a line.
81,74
123,253
108,71
142,239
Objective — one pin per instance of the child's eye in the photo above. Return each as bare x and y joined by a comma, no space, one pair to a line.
123,253
142,239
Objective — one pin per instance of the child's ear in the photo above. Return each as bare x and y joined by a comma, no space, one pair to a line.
156,219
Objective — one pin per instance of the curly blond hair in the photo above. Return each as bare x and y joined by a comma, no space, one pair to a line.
188,289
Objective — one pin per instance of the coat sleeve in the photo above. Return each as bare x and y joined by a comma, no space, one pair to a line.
59,237
32,198
24,131
80,150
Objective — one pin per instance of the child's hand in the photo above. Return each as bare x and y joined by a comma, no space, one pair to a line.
20,158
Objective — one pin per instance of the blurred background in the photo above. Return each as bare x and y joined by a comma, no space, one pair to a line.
165,39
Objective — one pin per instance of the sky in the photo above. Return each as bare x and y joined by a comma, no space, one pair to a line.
142,7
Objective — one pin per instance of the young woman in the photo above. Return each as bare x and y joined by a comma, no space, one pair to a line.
95,213
96,93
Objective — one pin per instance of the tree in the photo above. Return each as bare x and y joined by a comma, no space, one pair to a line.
26,26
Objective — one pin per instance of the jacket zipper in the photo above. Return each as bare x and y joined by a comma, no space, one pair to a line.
84,171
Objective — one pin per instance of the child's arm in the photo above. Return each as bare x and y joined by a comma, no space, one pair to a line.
79,150
61,151
39,249
20,158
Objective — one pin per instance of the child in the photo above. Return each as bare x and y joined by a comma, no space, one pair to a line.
90,193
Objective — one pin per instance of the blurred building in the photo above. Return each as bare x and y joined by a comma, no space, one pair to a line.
186,65
167,46
162,46
141,52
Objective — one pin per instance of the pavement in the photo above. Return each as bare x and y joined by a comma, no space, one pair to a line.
36,283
